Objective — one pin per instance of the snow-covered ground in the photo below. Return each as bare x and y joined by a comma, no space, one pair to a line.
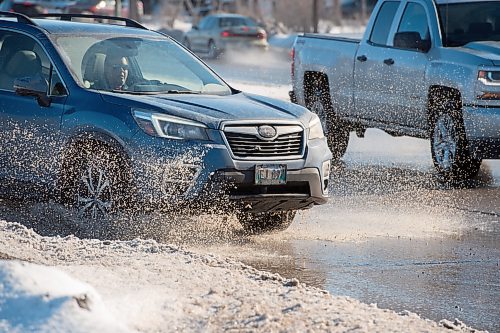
54,284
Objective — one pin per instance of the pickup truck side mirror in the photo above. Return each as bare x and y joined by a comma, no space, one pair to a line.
411,40
35,86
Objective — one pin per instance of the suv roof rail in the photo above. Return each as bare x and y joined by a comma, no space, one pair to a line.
69,17
20,17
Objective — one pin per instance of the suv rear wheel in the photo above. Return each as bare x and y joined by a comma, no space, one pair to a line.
258,223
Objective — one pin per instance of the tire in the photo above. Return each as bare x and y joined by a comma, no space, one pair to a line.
213,52
336,130
97,185
449,147
258,223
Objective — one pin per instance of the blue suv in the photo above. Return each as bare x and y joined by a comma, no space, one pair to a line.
105,116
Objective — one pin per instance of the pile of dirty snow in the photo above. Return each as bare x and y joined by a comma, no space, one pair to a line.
54,284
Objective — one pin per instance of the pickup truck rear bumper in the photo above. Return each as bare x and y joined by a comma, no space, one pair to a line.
482,127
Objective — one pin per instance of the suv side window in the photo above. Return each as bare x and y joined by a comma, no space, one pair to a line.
49,73
21,56
383,23
415,20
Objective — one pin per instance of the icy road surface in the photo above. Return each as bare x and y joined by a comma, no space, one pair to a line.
144,286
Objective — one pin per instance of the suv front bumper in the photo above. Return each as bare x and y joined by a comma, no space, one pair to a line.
204,175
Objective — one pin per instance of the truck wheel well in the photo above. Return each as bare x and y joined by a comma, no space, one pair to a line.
313,80
438,95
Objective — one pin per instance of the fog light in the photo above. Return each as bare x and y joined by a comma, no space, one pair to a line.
179,179
325,173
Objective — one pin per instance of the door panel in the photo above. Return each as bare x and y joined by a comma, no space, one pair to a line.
30,139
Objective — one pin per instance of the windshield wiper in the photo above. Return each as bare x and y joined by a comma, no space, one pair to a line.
182,92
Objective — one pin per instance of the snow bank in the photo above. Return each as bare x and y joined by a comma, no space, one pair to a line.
36,298
153,287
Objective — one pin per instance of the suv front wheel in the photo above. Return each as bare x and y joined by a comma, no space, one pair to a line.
96,185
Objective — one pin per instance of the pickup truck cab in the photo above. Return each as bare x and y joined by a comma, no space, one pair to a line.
424,68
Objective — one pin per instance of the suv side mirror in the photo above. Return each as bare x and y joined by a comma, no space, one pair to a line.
35,86
411,40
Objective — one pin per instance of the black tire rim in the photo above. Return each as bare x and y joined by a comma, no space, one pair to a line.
445,143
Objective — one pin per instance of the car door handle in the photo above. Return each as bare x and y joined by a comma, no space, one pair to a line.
362,58
389,61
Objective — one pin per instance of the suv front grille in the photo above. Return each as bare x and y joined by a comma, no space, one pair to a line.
251,145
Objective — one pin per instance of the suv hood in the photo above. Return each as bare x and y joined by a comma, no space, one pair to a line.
212,110
487,50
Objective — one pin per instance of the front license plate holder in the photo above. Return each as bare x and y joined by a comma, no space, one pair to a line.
270,174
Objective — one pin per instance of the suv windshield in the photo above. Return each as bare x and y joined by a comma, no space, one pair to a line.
140,65
462,23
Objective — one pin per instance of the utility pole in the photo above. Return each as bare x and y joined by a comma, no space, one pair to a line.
118,8
132,11
315,15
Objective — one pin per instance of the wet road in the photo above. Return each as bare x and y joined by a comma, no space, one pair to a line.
391,234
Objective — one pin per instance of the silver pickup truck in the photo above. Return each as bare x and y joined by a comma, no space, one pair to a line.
424,68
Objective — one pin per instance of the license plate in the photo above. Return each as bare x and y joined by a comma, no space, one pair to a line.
272,174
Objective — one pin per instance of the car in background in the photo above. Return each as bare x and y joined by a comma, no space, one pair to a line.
83,7
30,8
219,32
56,6
102,7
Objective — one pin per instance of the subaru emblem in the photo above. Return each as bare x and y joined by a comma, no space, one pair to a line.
267,132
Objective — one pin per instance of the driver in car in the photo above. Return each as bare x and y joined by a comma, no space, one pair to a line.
116,72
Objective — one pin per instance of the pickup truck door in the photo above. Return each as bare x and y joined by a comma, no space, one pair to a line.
405,67
371,83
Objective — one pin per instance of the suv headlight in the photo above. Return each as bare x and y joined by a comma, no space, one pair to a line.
315,128
165,126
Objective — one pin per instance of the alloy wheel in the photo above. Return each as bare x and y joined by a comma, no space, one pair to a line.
94,196
445,142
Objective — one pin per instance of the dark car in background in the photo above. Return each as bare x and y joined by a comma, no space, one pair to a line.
30,8
219,32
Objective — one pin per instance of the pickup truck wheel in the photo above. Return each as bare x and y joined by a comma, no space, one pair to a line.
336,131
258,223
450,155
96,186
